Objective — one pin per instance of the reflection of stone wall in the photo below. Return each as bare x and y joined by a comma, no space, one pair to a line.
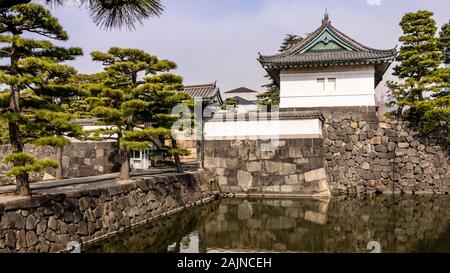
80,159
46,223
157,236
245,166
413,224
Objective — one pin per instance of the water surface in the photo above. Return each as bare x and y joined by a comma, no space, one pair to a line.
346,224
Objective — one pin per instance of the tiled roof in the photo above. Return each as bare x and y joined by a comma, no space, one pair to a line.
352,51
204,91
330,57
242,101
241,90
269,116
85,121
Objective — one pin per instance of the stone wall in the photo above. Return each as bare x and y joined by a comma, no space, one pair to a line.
366,153
295,166
80,159
190,145
363,152
47,223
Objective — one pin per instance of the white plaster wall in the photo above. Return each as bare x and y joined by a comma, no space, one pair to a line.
354,87
263,129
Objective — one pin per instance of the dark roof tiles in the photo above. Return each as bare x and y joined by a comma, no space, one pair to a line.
327,57
205,91
242,90
358,53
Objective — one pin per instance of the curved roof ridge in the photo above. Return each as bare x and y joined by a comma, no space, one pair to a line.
200,85
311,36
340,35
345,36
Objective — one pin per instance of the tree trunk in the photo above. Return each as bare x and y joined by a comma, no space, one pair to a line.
177,157
125,154
59,158
125,166
15,137
23,185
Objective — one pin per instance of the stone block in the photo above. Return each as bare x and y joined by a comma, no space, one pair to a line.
245,211
66,161
244,179
314,175
222,180
316,162
376,140
287,188
254,166
403,145
315,217
212,162
231,163
274,189
365,165
295,152
292,179
99,153
280,168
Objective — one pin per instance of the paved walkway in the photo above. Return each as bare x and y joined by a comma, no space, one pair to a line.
54,186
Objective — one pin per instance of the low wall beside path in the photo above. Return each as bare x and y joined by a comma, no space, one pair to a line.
80,159
51,219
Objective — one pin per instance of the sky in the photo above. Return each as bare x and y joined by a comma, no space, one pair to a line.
219,40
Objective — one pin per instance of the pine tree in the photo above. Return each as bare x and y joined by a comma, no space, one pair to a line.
419,95
444,43
229,103
162,92
418,58
121,100
290,41
108,13
271,96
37,83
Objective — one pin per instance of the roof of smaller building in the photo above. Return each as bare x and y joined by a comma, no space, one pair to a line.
205,91
85,121
241,90
242,101
269,116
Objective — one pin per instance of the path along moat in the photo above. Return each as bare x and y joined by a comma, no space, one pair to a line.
345,224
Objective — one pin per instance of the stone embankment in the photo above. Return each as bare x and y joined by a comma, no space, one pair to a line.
49,221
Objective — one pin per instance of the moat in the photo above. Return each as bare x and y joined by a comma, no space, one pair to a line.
340,224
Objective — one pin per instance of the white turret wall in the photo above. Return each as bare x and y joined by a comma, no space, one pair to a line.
354,86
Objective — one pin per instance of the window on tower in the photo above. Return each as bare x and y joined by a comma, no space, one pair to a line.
331,84
321,84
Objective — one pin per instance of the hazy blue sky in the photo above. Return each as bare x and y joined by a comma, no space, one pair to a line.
220,39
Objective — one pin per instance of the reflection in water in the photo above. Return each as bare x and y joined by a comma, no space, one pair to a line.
345,224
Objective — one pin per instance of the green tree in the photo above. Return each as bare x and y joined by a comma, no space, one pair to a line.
107,13
37,84
229,102
121,100
163,94
444,42
290,41
271,96
419,95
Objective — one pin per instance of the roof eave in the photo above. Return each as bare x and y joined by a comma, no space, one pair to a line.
281,65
